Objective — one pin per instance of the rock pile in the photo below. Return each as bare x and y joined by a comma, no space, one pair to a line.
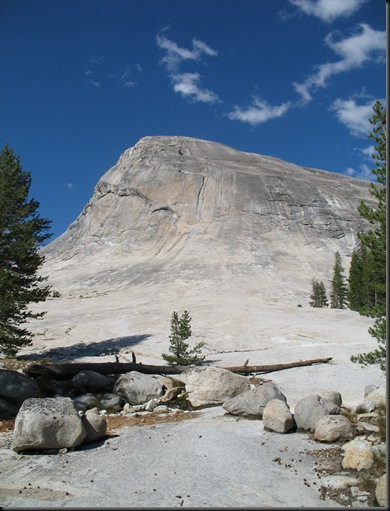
58,423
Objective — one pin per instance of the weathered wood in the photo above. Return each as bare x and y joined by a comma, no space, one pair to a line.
66,371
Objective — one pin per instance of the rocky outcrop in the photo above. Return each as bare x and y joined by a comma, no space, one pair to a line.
47,423
15,388
171,200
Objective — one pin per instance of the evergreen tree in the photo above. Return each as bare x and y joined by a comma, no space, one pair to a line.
338,294
318,297
375,239
361,294
180,331
22,232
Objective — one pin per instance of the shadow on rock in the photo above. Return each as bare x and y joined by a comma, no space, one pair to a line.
93,349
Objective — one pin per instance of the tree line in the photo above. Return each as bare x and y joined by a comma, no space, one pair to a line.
365,288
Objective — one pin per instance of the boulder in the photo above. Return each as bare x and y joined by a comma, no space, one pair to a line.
358,455
380,491
277,417
14,389
171,387
370,388
86,402
377,397
90,381
161,409
253,402
95,425
333,427
151,405
213,385
47,423
136,388
310,409
111,402
333,396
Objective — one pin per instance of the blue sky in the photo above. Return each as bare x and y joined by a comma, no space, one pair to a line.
83,80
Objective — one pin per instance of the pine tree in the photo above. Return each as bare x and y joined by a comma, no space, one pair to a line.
338,294
361,295
318,297
180,331
22,232
375,239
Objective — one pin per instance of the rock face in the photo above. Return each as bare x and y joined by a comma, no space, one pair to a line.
14,389
178,201
47,423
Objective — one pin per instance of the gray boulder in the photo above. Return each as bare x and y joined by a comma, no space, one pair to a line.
14,389
47,423
86,402
95,425
213,385
136,388
111,402
90,381
309,410
377,397
370,388
333,427
277,417
333,396
253,402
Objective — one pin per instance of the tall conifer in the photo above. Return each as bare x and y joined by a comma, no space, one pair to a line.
22,231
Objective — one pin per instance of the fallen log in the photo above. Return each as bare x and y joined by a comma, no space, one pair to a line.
67,370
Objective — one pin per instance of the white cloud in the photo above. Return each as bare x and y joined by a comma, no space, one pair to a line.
259,112
359,48
355,117
70,186
367,151
364,172
175,55
328,10
186,84
126,81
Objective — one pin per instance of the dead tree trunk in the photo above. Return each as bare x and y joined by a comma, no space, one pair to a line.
66,371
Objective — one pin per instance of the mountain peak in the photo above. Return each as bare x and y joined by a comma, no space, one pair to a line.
176,205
